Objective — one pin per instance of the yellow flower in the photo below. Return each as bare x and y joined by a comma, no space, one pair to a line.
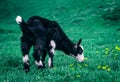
106,52
77,75
97,52
108,69
86,58
104,67
71,65
85,65
117,48
99,67
106,49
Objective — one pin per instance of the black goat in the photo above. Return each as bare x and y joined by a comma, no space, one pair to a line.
45,36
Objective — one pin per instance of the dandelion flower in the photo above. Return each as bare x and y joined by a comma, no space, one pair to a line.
117,48
99,67
85,65
97,52
77,75
104,67
108,69
106,49
86,58
106,52
71,65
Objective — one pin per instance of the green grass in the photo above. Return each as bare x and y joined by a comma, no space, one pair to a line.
79,19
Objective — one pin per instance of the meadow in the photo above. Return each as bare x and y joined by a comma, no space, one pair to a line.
96,22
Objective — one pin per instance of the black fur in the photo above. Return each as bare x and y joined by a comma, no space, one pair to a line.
38,32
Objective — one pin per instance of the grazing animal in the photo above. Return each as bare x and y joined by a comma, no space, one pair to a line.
45,36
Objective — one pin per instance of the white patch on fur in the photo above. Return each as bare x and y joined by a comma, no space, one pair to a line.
49,62
80,57
52,50
39,63
18,19
82,47
52,43
25,59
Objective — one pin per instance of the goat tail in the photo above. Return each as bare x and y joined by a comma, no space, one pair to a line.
19,19
21,22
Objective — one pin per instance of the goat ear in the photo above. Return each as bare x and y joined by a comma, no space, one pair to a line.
79,42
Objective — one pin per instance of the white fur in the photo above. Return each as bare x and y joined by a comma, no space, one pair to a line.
80,57
39,63
25,58
49,62
82,47
52,50
18,19
52,43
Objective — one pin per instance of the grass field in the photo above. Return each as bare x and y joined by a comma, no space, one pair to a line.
93,21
